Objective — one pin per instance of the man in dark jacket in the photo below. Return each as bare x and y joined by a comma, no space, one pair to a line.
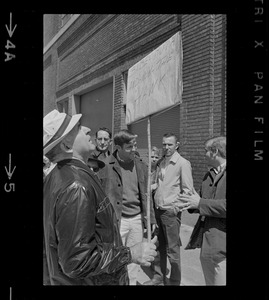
81,236
211,205
103,139
124,179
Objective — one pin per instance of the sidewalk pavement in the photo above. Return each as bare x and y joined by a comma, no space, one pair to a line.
190,264
192,273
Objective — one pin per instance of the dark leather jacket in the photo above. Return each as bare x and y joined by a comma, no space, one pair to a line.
82,241
111,180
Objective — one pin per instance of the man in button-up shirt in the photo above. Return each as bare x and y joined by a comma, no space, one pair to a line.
174,178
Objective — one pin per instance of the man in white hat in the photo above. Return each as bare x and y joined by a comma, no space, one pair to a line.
81,236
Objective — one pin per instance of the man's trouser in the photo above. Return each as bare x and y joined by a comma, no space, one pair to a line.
131,230
169,244
214,273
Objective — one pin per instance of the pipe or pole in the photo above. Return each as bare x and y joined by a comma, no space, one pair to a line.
149,183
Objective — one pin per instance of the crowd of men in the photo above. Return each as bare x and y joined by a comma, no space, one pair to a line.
95,207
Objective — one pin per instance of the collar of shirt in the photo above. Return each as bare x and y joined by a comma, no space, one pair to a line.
164,164
220,168
124,162
173,159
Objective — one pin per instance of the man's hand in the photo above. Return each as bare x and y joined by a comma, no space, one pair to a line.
152,228
180,207
192,200
144,253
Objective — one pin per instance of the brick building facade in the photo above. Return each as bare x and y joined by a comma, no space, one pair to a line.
86,62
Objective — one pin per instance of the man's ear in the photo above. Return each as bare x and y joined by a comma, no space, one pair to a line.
118,147
65,147
177,145
215,152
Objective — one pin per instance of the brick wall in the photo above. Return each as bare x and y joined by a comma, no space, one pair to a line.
50,82
107,42
118,102
52,26
220,75
203,82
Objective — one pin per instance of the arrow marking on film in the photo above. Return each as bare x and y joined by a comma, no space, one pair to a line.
9,173
9,29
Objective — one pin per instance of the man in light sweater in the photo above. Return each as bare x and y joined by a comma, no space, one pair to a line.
124,179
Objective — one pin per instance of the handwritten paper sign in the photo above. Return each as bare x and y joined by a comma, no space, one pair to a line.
155,82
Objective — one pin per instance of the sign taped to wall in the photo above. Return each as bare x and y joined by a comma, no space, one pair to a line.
155,82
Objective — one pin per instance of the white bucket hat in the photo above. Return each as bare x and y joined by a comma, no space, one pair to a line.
56,126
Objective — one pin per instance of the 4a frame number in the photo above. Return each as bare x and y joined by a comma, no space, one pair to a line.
9,43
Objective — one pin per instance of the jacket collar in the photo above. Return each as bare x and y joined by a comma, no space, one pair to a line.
220,168
219,176
115,164
75,162
216,177
98,153
113,158
79,164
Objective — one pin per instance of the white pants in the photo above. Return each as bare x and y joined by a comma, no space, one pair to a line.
214,273
131,230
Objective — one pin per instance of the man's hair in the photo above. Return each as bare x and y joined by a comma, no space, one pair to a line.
217,143
104,129
124,136
169,134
